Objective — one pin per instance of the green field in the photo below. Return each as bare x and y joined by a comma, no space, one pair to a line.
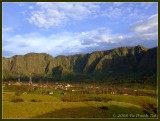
78,106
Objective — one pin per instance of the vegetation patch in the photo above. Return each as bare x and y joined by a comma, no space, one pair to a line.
76,106
35,100
81,98
17,100
103,107
149,107
18,93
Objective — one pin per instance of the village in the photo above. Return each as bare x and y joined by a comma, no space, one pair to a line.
63,88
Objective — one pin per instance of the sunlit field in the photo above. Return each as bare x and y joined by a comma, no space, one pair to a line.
76,101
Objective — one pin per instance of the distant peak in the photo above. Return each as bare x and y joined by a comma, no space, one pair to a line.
140,47
32,53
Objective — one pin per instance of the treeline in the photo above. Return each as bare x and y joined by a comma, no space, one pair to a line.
89,78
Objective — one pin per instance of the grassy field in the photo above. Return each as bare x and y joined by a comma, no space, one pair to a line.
78,106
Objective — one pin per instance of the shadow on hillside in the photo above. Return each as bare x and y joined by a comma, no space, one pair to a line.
93,112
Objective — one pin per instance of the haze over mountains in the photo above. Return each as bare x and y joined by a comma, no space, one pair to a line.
124,62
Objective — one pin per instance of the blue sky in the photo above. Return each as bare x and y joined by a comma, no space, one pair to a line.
73,28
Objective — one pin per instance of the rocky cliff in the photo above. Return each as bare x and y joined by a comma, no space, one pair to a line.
138,60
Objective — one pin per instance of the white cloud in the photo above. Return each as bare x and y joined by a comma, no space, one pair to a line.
121,37
122,11
34,42
73,43
23,12
57,44
56,14
21,4
147,5
7,29
95,36
31,7
53,14
118,3
147,28
112,12
143,33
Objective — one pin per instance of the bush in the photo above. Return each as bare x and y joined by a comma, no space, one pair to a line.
34,100
17,100
146,112
150,107
18,93
103,107
77,98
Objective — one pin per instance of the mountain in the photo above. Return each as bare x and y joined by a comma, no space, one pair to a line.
120,63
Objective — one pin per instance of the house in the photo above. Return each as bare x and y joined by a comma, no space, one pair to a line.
35,85
113,93
17,84
51,93
68,85
125,94
66,88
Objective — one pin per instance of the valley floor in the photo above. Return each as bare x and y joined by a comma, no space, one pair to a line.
77,106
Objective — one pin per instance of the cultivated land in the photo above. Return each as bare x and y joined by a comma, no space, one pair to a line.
61,100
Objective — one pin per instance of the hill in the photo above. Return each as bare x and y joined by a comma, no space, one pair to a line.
123,63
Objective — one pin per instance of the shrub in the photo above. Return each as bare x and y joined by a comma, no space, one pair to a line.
146,112
151,107
103,107
77,98
18,93
34,100
17,100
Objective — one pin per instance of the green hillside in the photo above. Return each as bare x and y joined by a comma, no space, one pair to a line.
128,63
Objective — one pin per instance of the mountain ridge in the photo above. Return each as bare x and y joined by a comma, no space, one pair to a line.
129,60
140,46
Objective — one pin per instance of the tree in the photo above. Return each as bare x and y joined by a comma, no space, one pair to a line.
57,72
30,78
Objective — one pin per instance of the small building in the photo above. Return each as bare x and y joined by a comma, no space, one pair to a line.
17,84
125,94
113,93
51,93
35,85
66,88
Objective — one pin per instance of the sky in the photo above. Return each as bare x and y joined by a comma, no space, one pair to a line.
59,28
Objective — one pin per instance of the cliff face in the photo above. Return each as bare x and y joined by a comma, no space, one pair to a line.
119,60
